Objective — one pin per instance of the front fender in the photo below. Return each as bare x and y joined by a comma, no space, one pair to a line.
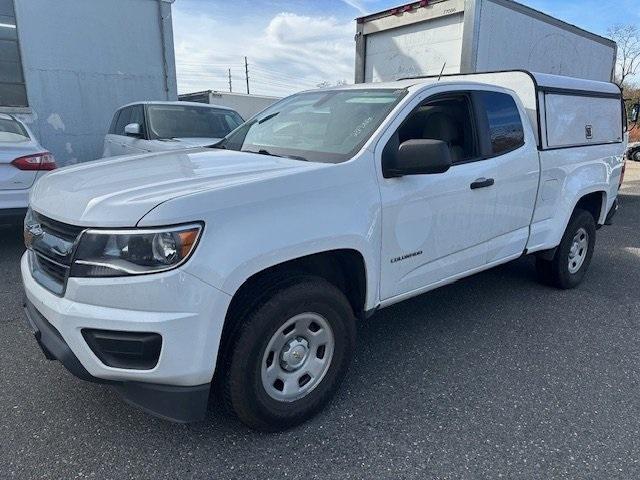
251,227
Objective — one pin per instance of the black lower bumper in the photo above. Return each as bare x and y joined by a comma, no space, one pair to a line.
174,403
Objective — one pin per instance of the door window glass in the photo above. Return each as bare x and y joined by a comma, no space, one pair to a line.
504,122
137,116
446,119
123,120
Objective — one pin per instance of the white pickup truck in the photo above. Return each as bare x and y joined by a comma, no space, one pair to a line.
242,269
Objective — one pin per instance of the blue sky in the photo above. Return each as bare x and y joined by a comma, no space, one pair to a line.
296,44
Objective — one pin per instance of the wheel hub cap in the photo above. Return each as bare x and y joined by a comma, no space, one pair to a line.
297,357
578,250
294,353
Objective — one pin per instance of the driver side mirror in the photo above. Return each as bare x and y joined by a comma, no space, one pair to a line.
635,113
418,157
133,130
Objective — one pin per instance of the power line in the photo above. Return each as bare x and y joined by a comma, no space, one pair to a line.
262,70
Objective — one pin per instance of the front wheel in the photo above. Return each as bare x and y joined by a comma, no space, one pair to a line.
572,258
290,355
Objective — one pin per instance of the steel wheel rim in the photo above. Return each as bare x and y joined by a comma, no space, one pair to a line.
578,250
297,357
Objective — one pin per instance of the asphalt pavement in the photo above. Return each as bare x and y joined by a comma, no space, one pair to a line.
493,377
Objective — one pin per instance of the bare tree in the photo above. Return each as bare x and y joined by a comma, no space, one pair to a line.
628,39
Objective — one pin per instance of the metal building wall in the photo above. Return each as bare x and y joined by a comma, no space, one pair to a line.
84,58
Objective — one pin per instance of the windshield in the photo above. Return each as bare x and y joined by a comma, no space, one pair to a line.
12,132
179,121
322,126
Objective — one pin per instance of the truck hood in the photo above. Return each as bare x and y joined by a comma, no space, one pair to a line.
119,191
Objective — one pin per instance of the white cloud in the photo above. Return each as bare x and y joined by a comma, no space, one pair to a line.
357,4
286,53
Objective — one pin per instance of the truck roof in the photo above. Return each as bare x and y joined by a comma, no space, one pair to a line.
541,81
527,86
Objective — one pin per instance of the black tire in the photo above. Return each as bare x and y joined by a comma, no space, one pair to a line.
244,393
635,155
556,272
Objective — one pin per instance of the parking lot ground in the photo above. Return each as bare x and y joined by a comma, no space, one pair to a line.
493,377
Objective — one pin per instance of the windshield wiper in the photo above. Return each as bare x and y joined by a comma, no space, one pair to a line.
262,151
268,117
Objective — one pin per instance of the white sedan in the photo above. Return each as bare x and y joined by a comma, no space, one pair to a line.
22,161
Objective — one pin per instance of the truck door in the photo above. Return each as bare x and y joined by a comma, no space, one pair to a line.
509,140
436,227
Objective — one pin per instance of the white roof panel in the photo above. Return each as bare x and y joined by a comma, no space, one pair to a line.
547,81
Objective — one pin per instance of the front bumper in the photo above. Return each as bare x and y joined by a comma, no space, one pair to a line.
185,311
14,199
178,404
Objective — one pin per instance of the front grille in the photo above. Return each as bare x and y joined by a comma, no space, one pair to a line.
51,252
54,270
58,229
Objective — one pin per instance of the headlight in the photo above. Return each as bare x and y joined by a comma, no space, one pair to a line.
115,253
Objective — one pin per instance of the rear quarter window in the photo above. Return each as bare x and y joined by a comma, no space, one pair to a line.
12,131
504,122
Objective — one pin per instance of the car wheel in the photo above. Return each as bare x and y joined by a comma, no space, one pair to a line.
290,355
572,258
636,155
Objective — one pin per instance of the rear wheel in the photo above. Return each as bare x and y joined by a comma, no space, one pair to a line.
573,256
290,355
636,155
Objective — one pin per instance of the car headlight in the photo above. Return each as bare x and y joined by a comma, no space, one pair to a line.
116,253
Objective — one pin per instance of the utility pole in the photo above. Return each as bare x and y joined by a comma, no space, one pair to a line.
230,89
246,73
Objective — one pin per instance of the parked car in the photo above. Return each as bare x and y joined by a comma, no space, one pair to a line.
22,161
159,126
253,260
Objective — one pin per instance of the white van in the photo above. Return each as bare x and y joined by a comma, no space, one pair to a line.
159,126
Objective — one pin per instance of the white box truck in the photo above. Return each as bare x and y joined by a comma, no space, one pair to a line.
467,36
246,105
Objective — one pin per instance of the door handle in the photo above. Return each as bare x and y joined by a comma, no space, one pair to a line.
482,183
